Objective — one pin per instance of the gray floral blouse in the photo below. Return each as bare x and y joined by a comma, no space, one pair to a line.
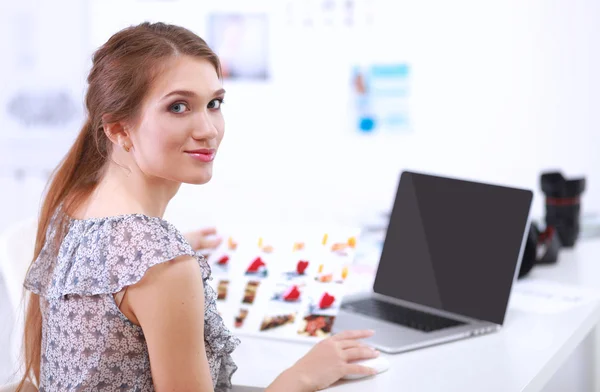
87,343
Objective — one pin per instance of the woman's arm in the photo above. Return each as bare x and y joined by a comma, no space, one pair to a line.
168,303
327,362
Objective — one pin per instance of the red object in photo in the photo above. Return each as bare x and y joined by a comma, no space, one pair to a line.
292,294
223,260
326,301
256,264
301,267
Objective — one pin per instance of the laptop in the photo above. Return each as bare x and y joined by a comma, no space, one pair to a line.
451,254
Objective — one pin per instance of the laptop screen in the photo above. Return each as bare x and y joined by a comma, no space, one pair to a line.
454,245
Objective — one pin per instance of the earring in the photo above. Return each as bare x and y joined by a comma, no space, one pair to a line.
126,148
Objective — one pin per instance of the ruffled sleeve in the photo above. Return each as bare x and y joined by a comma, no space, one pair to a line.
218,339
102,256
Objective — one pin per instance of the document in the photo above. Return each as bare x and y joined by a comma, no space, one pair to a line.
545,297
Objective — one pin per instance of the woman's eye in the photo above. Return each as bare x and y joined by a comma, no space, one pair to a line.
179,107
215,104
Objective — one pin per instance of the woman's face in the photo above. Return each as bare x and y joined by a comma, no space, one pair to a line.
180,126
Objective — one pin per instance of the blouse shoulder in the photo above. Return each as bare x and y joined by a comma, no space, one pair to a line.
104,255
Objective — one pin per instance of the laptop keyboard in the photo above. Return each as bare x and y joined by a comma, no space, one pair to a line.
397,314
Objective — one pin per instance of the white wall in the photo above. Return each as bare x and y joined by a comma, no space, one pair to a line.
501,91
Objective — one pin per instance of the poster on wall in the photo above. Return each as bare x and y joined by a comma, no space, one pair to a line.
329,13
41,103
241,42
380,98
282,285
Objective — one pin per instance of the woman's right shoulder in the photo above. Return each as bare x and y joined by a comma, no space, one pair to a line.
104,255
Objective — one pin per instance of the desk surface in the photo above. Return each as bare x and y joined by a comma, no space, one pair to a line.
522,356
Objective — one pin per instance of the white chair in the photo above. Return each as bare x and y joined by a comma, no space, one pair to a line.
16,252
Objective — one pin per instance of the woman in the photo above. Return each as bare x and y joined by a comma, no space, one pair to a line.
119,299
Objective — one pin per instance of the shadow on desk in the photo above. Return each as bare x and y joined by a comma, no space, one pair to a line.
237,388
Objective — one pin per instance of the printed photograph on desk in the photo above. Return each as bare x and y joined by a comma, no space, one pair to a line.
279,324
250,292
298,269
324,299
335,256
240,318
314,252
282,308
295,259
222,289
285,283
316,326
323,304
304,240
340,245
299,246
261,257
332,271
288,294
220,260
266,244
257,267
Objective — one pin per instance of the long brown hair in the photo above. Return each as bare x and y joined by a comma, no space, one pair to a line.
122,72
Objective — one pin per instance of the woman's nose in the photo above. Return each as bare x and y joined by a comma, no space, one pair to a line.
204,128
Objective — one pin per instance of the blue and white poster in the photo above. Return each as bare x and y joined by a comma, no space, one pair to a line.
380,98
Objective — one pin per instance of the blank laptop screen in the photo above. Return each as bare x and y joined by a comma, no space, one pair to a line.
453,245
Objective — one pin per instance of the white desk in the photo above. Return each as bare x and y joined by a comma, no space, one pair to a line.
578,266
523,356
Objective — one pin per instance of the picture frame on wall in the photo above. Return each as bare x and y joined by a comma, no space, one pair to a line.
241,42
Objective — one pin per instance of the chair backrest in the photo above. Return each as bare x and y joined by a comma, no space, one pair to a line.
16,252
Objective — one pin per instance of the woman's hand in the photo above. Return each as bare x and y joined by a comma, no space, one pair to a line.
327,362
203,239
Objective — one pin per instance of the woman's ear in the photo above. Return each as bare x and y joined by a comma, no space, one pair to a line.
117,133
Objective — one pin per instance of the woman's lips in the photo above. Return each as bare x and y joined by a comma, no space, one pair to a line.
202,155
